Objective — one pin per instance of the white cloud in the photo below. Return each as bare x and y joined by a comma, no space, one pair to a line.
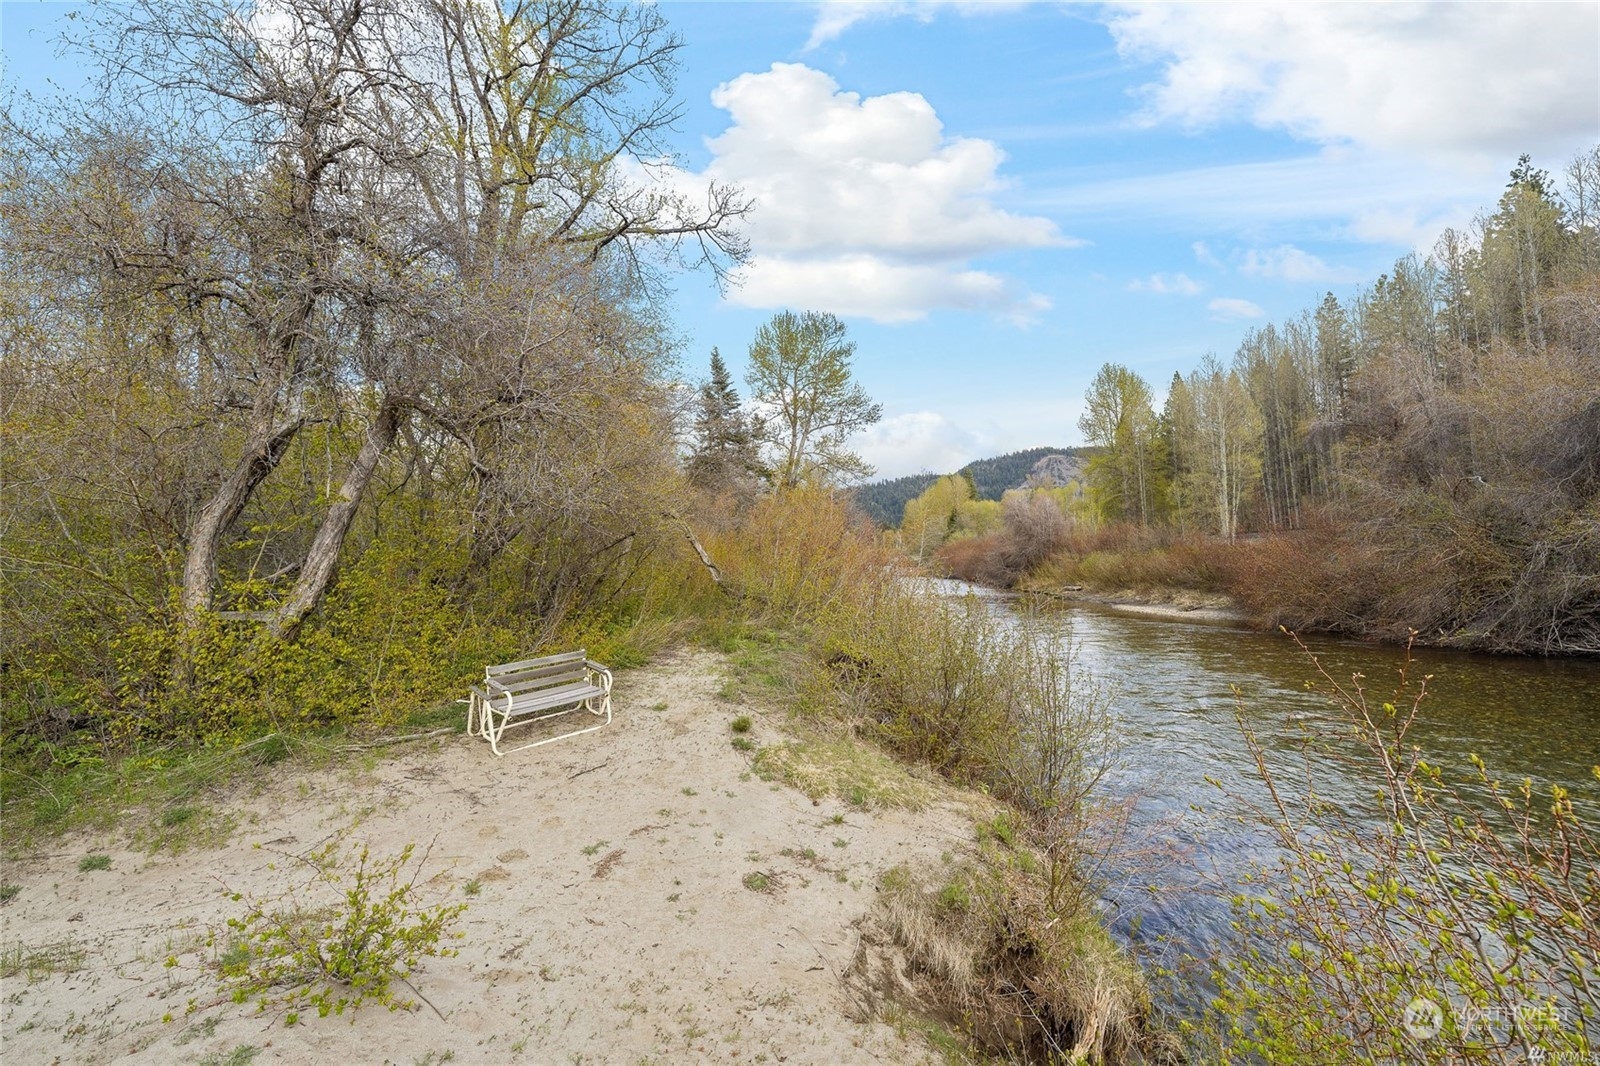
1229,309
921,440
1481,80
1337,194
1204,256
1289,263
1167,285
863,205
836,16
879,289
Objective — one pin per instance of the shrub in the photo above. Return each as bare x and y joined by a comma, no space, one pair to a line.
1456,920
294,951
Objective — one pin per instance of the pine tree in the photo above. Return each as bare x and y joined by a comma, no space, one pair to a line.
725,453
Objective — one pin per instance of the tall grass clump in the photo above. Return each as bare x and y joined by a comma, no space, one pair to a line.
1453,919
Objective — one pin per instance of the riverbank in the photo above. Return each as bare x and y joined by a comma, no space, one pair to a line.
635,894
1173,604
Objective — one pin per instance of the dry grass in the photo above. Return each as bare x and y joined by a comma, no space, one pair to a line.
848,769
978,946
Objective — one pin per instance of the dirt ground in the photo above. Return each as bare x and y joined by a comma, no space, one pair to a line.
612,924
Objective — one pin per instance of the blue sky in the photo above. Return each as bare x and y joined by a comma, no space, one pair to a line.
998,198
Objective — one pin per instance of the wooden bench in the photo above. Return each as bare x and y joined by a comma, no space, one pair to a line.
533,690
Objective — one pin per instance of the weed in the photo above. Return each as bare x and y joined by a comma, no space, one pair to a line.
687,791
41,962
336,957
435,1058
675,897
94,862
594,849
759,881
743,744
201,1030
241,1055
176,816
840,842
9,892
472,887
740,724
837,819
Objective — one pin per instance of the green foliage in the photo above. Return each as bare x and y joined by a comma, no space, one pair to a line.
726,455
297,951
740,724
800,369
1126,478
884,501
1466,928
8,892
94,862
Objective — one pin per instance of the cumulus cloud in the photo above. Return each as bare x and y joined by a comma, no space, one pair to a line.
1167,285
863,205
1481,80
921,440
1231,309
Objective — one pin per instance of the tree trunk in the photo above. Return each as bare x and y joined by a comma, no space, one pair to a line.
264,448
323,555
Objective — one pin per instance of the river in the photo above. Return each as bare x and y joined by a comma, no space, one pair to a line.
1175,687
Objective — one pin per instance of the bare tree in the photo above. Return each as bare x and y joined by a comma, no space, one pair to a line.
375,215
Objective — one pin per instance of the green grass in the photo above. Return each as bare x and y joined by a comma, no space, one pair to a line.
758,881
740,724
594,849
9,892
743,744
94,862
241,1055
472,887
852,770
43,961
52,789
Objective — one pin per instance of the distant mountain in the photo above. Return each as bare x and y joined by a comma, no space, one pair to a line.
885,501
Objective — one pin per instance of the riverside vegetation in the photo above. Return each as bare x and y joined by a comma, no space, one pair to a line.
296,442
1421,456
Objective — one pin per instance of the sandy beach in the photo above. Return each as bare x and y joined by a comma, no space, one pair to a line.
612,921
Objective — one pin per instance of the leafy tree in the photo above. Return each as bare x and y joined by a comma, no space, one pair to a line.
1228,438
800,371
1118,417
726,455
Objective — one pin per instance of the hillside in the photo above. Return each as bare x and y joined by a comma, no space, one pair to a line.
885,501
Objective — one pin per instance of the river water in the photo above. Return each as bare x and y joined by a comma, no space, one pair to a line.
1176,688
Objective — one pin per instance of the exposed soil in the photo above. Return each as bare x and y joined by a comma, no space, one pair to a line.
613,921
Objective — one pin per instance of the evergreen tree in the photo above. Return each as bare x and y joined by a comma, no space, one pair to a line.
725,452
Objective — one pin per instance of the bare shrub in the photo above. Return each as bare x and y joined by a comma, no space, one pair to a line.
1447,918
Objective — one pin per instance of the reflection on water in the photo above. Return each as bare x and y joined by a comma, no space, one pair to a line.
1177,686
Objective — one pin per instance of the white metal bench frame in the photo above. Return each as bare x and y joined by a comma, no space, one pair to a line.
533,690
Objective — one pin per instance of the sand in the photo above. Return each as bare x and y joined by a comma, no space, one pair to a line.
612,923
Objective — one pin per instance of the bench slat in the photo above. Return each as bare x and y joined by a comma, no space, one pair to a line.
555,699
548,676
533,664
532,688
